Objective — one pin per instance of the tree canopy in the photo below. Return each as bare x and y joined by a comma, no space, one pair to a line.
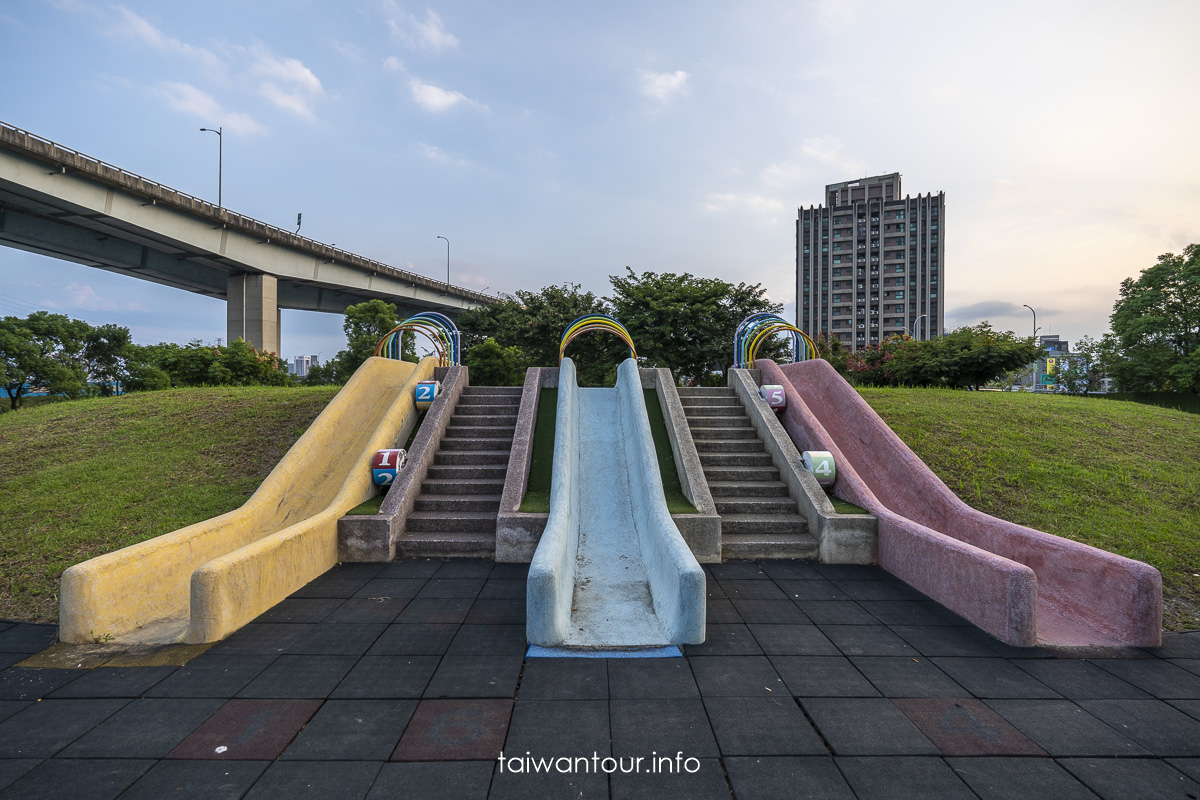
967,357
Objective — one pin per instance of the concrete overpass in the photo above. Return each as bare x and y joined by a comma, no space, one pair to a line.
59,202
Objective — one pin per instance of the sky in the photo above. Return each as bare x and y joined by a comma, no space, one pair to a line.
561,142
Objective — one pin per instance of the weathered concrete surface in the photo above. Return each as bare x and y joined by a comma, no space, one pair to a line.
1021,585
203,582
841,538
517,532
372,537
611,569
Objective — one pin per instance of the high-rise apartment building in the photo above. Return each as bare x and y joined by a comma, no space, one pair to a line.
870,263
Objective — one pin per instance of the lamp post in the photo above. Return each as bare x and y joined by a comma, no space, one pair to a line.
914,325
220,159
1033,380
447,263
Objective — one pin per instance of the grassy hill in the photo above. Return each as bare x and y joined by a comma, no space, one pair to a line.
83,478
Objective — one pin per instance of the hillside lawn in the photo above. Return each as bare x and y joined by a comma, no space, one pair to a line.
87,477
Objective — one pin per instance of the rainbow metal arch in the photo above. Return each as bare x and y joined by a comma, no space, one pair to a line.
757,328
438,328
595,322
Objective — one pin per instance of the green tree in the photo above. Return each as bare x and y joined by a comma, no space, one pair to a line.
106,352
1156,322
833,351
42,351
365,324
493,365
967,357
686,323
1082,370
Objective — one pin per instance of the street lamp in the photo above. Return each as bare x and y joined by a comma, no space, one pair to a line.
914,325
1033,380
220,159
1035,327
447,263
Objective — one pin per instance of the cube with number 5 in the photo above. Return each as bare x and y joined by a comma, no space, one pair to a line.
774,395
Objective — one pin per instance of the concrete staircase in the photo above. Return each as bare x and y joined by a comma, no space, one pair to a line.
759,519
455,513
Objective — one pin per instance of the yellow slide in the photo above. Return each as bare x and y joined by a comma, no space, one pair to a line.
203,582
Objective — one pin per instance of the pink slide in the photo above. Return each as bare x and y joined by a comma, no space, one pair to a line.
1023,586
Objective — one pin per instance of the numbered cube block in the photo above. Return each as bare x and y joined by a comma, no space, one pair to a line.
386,464
425,392
774,395
820,463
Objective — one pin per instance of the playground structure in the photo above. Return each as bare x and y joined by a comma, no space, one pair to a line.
756,329
438,328
595,322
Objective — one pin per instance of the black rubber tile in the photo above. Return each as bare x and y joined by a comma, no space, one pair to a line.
411,569
866,727
762,726
338,582
1079,680
751,590
293,610
712,588
301,677
737,676
903,676
497,611
643,726
659,678
906,612
498,589
793,640
146,728
13,768
892,778
1178,645
942,640
247,730
737,571
8,659
367,609
489,640
83,779
259,639
1159,678
875,590
791,570
993,677
699,779
387,677
787,778
44,728
196,780
559,727
819,589
725,639
867,640
507,572
455,730
445,780
1189,707
720,611
337,639
836,612
1062,728
424,639
566,679
475,676
1163,730
966,727
344,730
327,780
510,785
211,676
1132,778
822,676
853,572
20,683
390,589
114,682
773,612
465,569
1188,766
1192,665
27,638
441,588
10,707
1018,779
448,611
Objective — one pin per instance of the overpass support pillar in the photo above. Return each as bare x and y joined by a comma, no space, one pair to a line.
253,310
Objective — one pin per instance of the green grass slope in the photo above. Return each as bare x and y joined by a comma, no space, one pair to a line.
88,477
1119,476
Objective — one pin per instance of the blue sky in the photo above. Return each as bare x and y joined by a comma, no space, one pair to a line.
557,142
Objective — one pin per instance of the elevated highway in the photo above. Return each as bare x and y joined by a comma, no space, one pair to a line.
59,202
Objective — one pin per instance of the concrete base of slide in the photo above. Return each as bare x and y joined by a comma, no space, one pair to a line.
611,569
1023,586
201,583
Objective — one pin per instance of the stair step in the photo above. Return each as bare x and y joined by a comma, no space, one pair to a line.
466,471
713,412
730,459
751,488
462,487
719,423
728,445
763,523
739,474
452,544
767,545
477,423
691,401
481,410
705,391
444,502
464,521
502,400
468,443
709,434
754,505
499,390
464,456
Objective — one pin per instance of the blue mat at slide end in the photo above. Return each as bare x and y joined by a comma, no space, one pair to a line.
537,651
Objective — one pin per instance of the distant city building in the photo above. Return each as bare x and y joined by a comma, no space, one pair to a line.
1042,375
870,263
302,364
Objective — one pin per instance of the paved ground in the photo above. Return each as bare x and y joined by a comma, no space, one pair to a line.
408,680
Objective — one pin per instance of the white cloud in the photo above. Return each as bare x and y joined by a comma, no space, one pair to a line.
348,50
835,14
286,82
662,86
190,100
436,99
721,202
828,150
129,25
394,64
435,153
85,297
428,34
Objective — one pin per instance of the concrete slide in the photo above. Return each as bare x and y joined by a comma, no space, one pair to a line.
1023,586
611,570
203,582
